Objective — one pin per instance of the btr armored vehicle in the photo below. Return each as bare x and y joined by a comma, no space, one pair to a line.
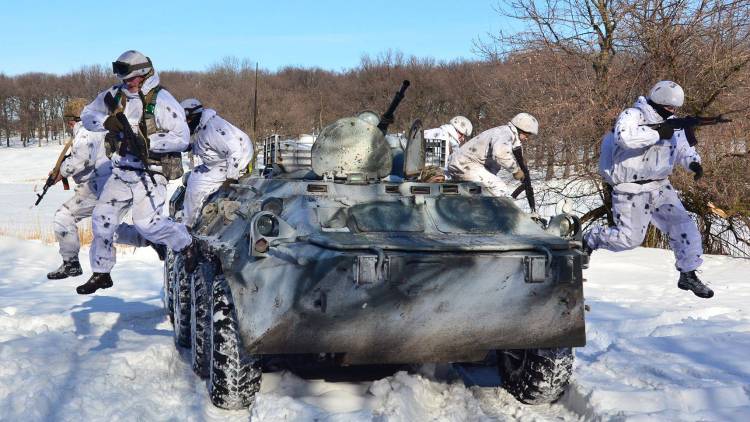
331,252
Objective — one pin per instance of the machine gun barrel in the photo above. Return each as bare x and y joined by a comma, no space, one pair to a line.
387,118
689,123
55,172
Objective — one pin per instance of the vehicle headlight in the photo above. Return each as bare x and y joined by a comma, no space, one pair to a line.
267,225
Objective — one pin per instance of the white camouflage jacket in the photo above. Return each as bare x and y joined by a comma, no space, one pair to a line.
173,134
634,153
492,149
220,144
87,160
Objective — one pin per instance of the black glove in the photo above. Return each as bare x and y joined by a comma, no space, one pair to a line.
665,131
111,141
112,124
228,182
696,168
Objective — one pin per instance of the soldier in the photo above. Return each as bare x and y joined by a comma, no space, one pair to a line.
90,168
146,153
225,151
636,161
482,157
455,133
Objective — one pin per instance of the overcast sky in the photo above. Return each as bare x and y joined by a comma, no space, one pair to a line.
60,36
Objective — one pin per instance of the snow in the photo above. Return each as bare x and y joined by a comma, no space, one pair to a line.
654,352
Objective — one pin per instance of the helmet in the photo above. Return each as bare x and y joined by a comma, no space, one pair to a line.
462,125
667,93
73,108
191,107
370,117
525,122
131,64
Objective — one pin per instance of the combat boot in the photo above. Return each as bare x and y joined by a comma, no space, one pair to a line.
690,281
70,268
96,282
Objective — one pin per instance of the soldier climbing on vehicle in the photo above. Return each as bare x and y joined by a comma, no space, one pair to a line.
147,133
479,159
454,134
225,150
637,158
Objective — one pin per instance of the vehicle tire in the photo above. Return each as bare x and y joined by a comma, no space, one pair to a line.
199,318
234,379
181,303
168,283
535,376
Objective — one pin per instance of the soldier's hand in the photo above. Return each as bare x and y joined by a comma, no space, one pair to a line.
518,174
112,124
227,183
665,131
696,168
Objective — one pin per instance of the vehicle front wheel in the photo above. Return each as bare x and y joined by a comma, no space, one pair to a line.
535,376
234,379
200,318
180,303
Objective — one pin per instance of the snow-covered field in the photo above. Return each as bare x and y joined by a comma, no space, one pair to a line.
654,352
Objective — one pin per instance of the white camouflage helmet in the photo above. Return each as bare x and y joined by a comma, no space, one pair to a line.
525,122
667,93
462,125
131,64
191,106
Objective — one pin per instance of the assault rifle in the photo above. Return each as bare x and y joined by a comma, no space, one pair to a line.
56,172
689,123
130,142
387,118
526,184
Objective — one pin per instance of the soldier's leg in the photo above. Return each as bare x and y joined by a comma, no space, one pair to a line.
113,203
490,182
632,214
671,218
148,203
201,183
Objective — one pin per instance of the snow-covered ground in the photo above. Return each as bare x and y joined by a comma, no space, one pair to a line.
654,352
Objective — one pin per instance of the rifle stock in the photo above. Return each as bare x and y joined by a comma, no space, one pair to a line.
526,184
56,172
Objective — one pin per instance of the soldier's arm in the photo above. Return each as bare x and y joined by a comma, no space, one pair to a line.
502,151
684,153
95,113
233,141
81,156
174,135
630,134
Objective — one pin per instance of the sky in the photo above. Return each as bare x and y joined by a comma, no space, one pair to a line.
61,36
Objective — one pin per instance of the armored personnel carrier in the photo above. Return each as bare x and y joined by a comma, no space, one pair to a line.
355,261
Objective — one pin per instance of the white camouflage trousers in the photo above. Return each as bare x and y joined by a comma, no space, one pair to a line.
480,175
132,190
633,212
75,209
203,181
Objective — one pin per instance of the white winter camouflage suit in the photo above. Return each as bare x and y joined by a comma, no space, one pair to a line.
446,133
134,189
634,152
89,168
225,151
479,159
